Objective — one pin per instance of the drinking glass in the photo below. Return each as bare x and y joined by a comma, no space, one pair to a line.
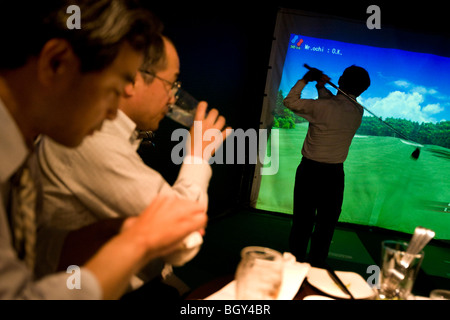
259,274
184,109
399,270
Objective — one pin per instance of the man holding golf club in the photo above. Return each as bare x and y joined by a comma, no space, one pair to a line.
319,181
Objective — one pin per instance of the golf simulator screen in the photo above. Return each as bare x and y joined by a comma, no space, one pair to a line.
410,90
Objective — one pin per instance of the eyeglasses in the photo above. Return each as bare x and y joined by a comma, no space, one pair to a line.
174,86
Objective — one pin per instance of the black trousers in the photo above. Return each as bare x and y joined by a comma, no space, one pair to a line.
318,196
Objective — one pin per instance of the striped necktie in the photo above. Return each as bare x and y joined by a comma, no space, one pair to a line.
24,215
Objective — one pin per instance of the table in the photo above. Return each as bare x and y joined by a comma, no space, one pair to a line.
215,285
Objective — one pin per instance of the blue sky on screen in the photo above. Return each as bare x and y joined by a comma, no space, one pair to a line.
406,85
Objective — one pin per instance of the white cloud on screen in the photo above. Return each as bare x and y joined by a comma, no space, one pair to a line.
408,102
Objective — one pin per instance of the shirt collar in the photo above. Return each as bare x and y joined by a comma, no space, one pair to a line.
343,97
12,144
124,127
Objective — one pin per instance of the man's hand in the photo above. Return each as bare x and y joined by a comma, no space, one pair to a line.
313,75
208,133
166,222
156,232
322,81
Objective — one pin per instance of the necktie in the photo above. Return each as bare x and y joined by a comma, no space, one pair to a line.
23,215
147,137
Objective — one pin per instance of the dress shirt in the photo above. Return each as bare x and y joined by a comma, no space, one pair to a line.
333,122
16,280
106,178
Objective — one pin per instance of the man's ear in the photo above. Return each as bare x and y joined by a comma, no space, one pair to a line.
56,60
130,89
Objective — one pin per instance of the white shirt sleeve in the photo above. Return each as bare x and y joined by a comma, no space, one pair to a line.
293,101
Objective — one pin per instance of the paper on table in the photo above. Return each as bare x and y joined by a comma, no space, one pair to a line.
357,285
293,275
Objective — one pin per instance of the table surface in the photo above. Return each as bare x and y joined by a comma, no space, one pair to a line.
215,285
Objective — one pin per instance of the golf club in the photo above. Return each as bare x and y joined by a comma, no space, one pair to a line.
416,153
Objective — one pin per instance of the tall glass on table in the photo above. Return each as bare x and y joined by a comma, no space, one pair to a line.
259,274
399,270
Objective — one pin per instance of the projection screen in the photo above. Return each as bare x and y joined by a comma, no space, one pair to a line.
410,90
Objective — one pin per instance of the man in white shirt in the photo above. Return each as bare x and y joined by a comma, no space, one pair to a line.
319,182
106,178
64,83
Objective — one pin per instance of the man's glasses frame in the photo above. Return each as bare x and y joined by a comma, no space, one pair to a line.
174,86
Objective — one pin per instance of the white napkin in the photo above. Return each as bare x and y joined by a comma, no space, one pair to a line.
293,275
188,250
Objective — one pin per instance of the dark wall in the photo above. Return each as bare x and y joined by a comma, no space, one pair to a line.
223,54
224,49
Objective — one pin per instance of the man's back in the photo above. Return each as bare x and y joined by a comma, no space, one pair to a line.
333,122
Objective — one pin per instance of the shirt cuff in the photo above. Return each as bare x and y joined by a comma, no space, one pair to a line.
197,170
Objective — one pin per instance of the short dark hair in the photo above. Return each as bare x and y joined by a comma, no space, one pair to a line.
25,26
355,80
155,59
